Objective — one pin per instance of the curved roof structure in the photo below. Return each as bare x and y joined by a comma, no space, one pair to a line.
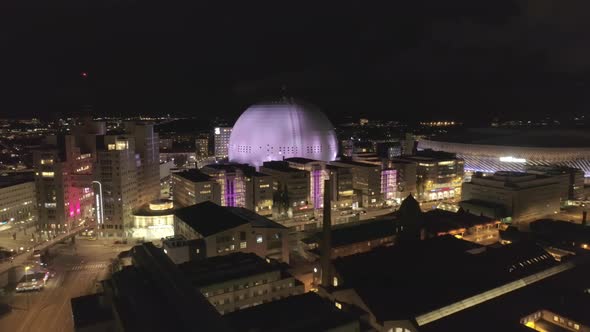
285,129
491,150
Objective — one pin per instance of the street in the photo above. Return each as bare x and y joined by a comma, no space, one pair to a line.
79,267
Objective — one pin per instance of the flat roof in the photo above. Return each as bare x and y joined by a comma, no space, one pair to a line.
362,232
13,179
353,163
89,310
281,166
300,160
219,269
208,218
298,313
194,175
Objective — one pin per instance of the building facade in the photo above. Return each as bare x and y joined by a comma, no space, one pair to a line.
512,196
366,182
221,137
18,201
192,187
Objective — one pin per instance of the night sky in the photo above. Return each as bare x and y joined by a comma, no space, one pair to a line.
418,59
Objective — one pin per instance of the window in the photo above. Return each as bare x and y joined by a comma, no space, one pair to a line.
335,282
338,305
47,174
259,238
243,245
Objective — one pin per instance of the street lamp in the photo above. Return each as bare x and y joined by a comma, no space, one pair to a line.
99,204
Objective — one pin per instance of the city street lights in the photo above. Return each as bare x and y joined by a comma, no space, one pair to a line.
99,204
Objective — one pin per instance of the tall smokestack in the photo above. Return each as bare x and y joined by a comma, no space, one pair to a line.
584,220
326,235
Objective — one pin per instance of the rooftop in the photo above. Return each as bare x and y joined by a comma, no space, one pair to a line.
13,179
208,218
194,175
299,160
354,163
218,269
89,310
313,313
362,232
281,166
445,257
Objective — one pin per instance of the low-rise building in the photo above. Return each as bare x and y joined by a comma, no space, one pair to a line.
192,186
512,196
226,230
366,181
240,280
18,201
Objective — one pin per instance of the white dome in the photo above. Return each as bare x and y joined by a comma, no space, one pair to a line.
274,131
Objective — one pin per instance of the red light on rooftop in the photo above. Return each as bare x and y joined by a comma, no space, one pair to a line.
84,74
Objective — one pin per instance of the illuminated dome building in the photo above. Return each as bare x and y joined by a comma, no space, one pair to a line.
285,129
490,150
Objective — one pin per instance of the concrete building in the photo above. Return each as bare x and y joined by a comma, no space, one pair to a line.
366,182
240,280
93,175
438,174
202,147
226,230
405,177
512,196
242,186
193,186
291,188
343,196
571,180
221,137
18,201
63,181
317,175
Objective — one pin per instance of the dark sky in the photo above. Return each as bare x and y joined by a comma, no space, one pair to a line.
391,59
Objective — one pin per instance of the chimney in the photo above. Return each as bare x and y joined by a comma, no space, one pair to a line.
326,252
584,220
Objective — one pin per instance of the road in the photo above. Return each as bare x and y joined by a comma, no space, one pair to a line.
79,268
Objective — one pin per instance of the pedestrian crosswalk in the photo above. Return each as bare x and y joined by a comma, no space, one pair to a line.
88,267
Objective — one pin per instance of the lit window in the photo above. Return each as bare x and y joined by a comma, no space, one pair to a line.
576,326
243,245
47,174
335,282
338,305
259,238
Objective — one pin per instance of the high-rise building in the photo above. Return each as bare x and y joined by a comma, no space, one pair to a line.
242,186
193,186
317,175
93,175
405,177
221,137
202,147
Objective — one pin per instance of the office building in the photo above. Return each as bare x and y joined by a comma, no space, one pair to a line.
202,147
225,230
193,186
128,170
240,280
317,175
438,175
366,182
571,180
18,201
221,137
512,196
405,177
242,186
163,300
292,191
282,129
93,175
343,196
